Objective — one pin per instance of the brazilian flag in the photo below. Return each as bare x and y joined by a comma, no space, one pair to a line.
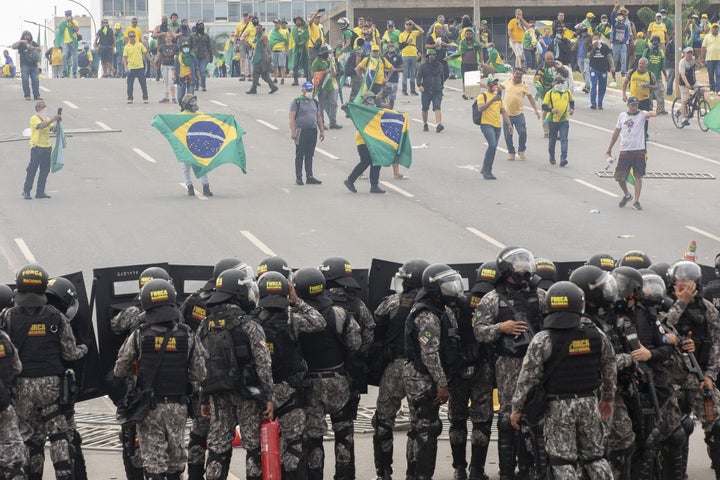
385,133
203,141
712,119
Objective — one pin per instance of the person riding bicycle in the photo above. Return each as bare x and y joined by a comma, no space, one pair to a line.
687,80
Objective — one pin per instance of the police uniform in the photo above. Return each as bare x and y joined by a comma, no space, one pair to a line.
12,449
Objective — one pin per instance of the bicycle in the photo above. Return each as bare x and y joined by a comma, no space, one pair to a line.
696,106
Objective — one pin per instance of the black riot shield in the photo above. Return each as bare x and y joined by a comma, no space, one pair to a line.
188,279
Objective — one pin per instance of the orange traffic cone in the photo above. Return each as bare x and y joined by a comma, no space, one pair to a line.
237,441
690,252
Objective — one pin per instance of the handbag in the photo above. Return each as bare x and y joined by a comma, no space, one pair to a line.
536,400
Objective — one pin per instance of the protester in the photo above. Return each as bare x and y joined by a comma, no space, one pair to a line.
430,82
40,150
490,106
305,121
30,54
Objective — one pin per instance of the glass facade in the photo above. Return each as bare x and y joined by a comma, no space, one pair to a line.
125,8
230,11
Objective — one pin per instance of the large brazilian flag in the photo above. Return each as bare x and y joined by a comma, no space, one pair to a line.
385,133
203,141
712,118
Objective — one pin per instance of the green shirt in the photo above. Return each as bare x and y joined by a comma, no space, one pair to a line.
640,46
656,61
318,65
391,36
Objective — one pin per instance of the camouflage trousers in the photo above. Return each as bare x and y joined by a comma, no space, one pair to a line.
574,435
390,394
12,448
507,370
692,396
425,424
619,430
36,404
329,396
198,441
292,426
162,439
227,411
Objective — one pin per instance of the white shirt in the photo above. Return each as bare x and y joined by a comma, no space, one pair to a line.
632,131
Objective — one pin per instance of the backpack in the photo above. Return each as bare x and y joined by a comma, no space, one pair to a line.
223,369
476,113
83,60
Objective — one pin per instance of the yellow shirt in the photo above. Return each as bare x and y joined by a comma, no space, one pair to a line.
282,46
712,44
316,33
248,31
411,39
69,38
56,58
136,30
491,115
636,80
370,65
515,96
516,31
39,137
658,29
134,55
558,100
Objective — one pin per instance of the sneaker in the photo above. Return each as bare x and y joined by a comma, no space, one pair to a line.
511,156
425,127
350,185
636,206
204,89
488,176
313,181
299,181
174,100
39,98
274,80
404,93
335,126
685,122
624,200
552,161
563,163
206,191
413,92
28,98
376,189
145,100
42,195
294,84
164,100
282,81
593,107
26,196
586,90
522,155
272,90
439,128
251,92
191,191
600,107
129,101
612,84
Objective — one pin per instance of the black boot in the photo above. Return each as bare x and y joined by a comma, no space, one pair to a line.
206,191
174,476
79,469
191,191
712,439
195,472
477,462
506,450
459,462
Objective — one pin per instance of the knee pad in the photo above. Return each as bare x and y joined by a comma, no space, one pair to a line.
458,433
349,411
480,435
383,430
676,440
688,425
316,453
433,429
504,424
11,472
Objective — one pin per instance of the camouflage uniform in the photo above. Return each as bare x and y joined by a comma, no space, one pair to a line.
37,397
573,431
12,449
162,432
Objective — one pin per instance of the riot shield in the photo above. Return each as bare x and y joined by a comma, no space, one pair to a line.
189,278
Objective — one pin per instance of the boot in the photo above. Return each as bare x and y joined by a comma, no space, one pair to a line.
174,476
196,472
477,462
191,191
506,454
459,461
206,191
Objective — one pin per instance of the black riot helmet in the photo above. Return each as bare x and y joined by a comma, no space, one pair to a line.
517,264
338,273
598,285
661,269
565,297
31,278
653,289
602,260
274,264
629,282
152,273
309,282
236,283
225,264
487,276
62,295
273,290
6,296
157,292
440,279
410,275
546,270
635,259
717,265
685,270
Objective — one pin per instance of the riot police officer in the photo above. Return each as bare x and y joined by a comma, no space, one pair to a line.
44,340
325,353
170,362
546,271
508,317
712,289
283,316
274,264
431,346
571,359
636,259
6,297
387,360
238,388
471,388
12,457
603,261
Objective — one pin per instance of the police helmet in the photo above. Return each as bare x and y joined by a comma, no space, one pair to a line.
440,279
410,275
31,278
603,261
685,270
516,263
717,265
157,292
226,264
308,282
546,270
597,284
273,290
62,295
6,296
343,23
238,282
635,259
338,273
152,273
565,296
274,264
487,276
629,282
653,289
661,269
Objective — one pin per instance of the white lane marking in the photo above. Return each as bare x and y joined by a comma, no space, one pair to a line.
267,124
485,237
256,241
71,105
103,126
601,190
197,194
232,477
421,122
218,103
45,89
453,88
144,155
25,250
703,232
397,189
327,154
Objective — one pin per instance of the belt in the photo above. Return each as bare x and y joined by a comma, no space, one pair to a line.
326,374
570,396
171,399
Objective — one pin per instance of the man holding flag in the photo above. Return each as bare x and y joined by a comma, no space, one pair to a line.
632,160
40,149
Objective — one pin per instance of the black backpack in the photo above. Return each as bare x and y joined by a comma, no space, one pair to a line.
83,60
476,113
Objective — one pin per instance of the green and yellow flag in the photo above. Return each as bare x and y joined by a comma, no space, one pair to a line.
385,133
712,119
203,141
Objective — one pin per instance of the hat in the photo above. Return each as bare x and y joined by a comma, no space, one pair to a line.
117,25
277,20
658,14
632,100
492,80
590,15
662,10
531,25
687,49
641,35
704,15
604,15
68,12
483,22
375,48
295,19
714,25
368,96
199,22
275,300
283,20
431,51
390,23
308,86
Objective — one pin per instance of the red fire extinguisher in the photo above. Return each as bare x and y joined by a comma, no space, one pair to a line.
270,449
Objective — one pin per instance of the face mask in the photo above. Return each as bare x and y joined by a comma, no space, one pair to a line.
620,18
560,88
42,112
494,89
596,43
186,50
200,29
657,20
307,94
664,17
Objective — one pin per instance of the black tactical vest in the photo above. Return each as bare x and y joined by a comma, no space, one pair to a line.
194,310
711,293
579,371
693,320
7,351
449,347
284,348
171,376
473,353
349,302
37,337
527,304
323,350
396,325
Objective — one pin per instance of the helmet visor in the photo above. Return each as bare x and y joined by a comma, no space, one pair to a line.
521,261
686,270
625,285
450,283
653,289
607,286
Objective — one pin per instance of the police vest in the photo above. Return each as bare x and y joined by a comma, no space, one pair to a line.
693,320
449,344
711,293
38,340
579,370
472,353
171,377
323,350
194,309
526,303
7,351
396,328
284,347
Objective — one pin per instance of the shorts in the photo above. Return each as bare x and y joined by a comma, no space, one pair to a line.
635,159
278,58
106,54
435,98
684,93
